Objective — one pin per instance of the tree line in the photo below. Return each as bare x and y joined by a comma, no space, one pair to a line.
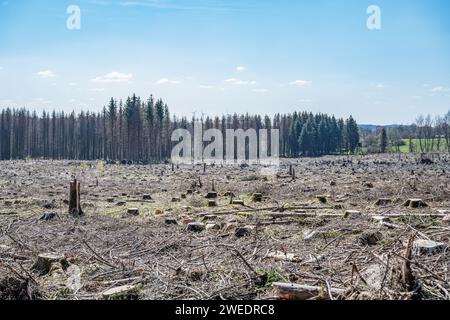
427,134
140,130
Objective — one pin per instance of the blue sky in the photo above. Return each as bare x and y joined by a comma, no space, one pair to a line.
223,56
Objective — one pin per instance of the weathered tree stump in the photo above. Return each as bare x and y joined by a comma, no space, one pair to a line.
238,202
211,195
351,213
383,202
170,221
212,203
45,261
422,246
257,197
415,203
74,199
243,231
370,237
48,216
127,292
195,227
146,197
133,211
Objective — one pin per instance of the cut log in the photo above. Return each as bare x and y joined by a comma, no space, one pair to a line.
291,291
74,199
282,256
238,202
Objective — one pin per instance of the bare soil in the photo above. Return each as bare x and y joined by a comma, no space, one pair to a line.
315,229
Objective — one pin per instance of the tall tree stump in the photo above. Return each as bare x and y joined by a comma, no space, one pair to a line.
74,199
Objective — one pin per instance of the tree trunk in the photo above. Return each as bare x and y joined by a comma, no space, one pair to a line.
74,201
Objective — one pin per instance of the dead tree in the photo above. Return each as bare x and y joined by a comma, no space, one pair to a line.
74,199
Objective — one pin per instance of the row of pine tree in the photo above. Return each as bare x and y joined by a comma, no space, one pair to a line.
140,130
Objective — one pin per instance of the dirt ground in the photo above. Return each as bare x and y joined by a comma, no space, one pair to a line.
338,222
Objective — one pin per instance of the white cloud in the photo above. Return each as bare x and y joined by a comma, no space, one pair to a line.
241,68
53,84
260,90
167,81
305,100
440,89
240,82
41,101
202,86
300,83
114,77
73,84
98,89
46,74
380,86
1,68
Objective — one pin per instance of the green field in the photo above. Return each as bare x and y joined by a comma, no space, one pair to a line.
416,144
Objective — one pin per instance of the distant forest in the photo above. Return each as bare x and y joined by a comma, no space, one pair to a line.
140,130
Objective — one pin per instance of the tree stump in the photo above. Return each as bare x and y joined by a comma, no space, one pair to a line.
257,197
211,195
212,203
133,211
45,261
243,231
383,202
147,197
415,203
195,227
74,199
126,292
